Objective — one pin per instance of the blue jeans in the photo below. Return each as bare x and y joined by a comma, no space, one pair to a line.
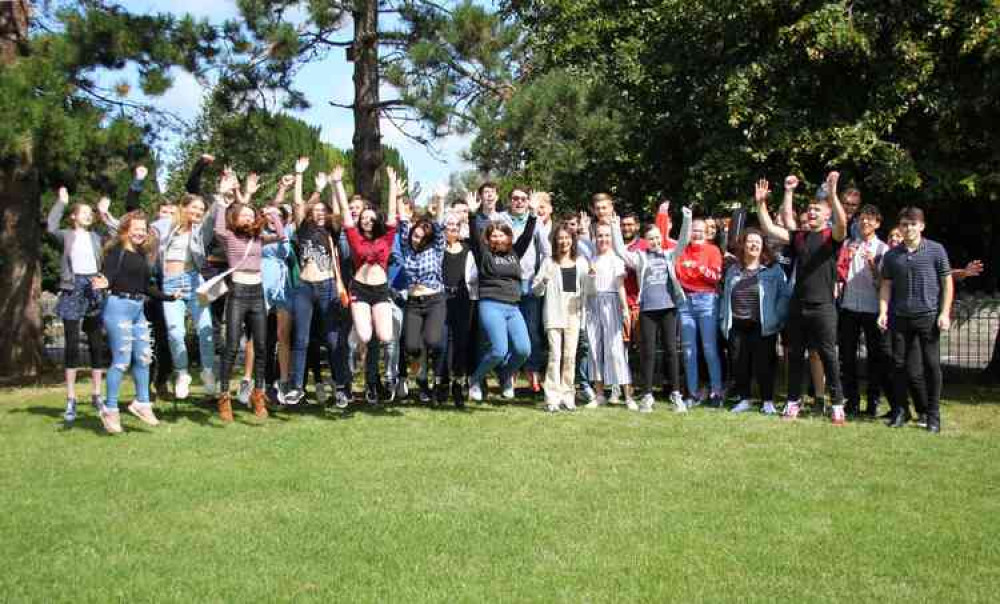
503,327
308,297
174,312
531,310
128,336
699,315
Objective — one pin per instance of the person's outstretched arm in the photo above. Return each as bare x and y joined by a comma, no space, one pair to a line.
761,192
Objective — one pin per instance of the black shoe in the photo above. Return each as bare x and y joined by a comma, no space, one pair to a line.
899,418
424,390
371,394
921,420
933,425
458,394
441,392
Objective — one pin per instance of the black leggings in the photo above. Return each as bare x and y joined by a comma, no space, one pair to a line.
456,362
813,326
163,363
92,327
245,307
658,329
424,325
752,353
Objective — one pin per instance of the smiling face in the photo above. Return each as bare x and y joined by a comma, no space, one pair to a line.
137,233
453,227
355,207
246,217
83,216
367,221
603,238
711,228
895,237
752,248
604,209
318,214
654,239
518,202
499,239
417,236
912,231
630,227
168,210
698,231
869,223
461,209
564,244
817,215
194,211
544,211
851,203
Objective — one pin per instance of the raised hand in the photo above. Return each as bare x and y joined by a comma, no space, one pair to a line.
762,190
583,224
831,181
337,174
63,195
686,213
103,205
207,158
534,200
472,200
252,184
301,165
321,181
141,172
286,181
664,207
791,183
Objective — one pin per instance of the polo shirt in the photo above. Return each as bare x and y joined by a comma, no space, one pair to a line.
916,277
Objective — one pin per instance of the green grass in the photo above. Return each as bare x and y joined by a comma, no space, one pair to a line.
497,503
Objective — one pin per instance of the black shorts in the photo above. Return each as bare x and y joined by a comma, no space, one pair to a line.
370,294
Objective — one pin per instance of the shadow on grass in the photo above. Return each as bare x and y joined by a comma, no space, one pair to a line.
86,419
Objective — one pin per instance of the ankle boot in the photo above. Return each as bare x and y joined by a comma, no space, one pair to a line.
225,407
257,401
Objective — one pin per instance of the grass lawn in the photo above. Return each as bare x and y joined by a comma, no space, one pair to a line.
497,503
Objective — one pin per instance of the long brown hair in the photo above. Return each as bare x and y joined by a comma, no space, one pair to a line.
504,228
562,227
249,232
180,217
428,228
740,249
148,248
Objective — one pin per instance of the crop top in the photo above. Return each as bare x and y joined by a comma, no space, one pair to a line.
370,251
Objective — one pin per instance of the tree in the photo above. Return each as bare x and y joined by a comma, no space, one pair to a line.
448,63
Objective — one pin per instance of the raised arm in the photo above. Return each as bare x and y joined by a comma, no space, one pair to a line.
338,195
761,192
786,215
301,165
56,213
396,188
135,189
524,241
839,215
221,229
251,186
631,259
685,236
104,213
273,216
284,183
663,222
193,184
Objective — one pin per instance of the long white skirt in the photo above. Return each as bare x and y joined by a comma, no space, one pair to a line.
608,361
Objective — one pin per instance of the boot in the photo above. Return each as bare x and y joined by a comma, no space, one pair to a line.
225,407
258,401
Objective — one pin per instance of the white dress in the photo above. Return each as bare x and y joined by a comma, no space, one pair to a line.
605,323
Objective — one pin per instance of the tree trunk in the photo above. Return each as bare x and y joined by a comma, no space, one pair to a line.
21,333
367,135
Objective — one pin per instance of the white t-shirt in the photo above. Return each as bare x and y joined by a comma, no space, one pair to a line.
82,257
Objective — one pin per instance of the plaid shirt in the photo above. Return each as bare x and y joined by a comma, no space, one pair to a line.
424,268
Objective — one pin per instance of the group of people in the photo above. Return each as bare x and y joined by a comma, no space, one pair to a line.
458,291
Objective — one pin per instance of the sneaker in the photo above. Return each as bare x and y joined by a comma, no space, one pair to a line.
144,411
769,408
208,382
631,405
552,408
568,404
475,393
111,420
323,390
678,401
279,392
921,420
424,391
587,392
243,395
508,388
294,396
646,404
616,394
69,416
715,401
342,399
599,401
742,407
402,389
691,402
792,410
837,417
182,386
458,394
97,402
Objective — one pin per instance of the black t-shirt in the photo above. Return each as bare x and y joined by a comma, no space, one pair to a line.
312,244
814,254
453,271
569,279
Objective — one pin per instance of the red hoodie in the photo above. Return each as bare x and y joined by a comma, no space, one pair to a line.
700,267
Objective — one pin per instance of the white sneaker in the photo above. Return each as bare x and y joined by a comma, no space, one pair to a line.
552,408
508,388
742,407
208,382
599,401
616,394
769,408
144,411
475,392
182,386
243,396
646,405
323,392
631,405
678,401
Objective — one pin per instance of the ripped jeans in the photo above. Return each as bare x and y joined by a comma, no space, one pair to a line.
129,339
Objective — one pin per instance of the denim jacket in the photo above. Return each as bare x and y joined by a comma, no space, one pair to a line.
774,290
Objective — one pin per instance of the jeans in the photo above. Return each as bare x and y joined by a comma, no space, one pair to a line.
658,329
813,326
311,296
699,316
245,308
128,335
753,353
850,326
908,335
531,310
509,344
174,313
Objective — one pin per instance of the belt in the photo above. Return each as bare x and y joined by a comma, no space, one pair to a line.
130,296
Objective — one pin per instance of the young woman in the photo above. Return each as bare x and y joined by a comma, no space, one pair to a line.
607,313
79,302
460,277
371,241
240,231
754,306
181,258
658,298
320,284
127,278
422,246
561,279
498,259
699,270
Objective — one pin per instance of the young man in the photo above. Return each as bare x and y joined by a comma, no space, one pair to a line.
812,316
858,269
634,243
917,281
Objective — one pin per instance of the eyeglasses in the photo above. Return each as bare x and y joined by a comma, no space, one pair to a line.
519,198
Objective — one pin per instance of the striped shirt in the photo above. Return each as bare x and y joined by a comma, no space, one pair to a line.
916,277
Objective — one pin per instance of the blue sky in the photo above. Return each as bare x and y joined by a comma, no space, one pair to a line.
322,82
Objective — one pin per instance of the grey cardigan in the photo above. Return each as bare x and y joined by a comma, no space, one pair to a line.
637,260
66,237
